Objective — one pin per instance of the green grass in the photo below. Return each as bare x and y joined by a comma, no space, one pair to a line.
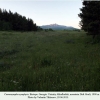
49,61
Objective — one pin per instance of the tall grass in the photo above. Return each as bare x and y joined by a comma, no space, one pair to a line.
49,61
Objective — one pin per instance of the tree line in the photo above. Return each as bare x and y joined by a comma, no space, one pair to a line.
16,22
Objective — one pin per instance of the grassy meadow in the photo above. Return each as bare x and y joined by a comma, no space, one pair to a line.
49,61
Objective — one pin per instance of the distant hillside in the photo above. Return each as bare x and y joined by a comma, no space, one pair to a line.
57,27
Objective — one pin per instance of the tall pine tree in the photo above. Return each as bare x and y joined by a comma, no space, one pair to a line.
90,17
16,22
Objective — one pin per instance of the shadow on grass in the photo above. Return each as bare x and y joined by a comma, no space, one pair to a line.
6,53
4,66
46,62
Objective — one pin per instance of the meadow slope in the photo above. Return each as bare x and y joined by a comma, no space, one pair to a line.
49,61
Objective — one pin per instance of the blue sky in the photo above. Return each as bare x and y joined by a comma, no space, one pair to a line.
43,12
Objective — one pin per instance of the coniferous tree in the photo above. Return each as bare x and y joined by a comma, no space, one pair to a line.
16,22
90,17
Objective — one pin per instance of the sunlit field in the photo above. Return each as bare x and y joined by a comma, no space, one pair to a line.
49,61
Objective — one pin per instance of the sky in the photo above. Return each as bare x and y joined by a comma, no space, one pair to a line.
45,12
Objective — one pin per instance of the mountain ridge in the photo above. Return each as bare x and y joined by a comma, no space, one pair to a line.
57,27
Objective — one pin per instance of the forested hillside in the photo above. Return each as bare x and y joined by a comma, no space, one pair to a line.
16,22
